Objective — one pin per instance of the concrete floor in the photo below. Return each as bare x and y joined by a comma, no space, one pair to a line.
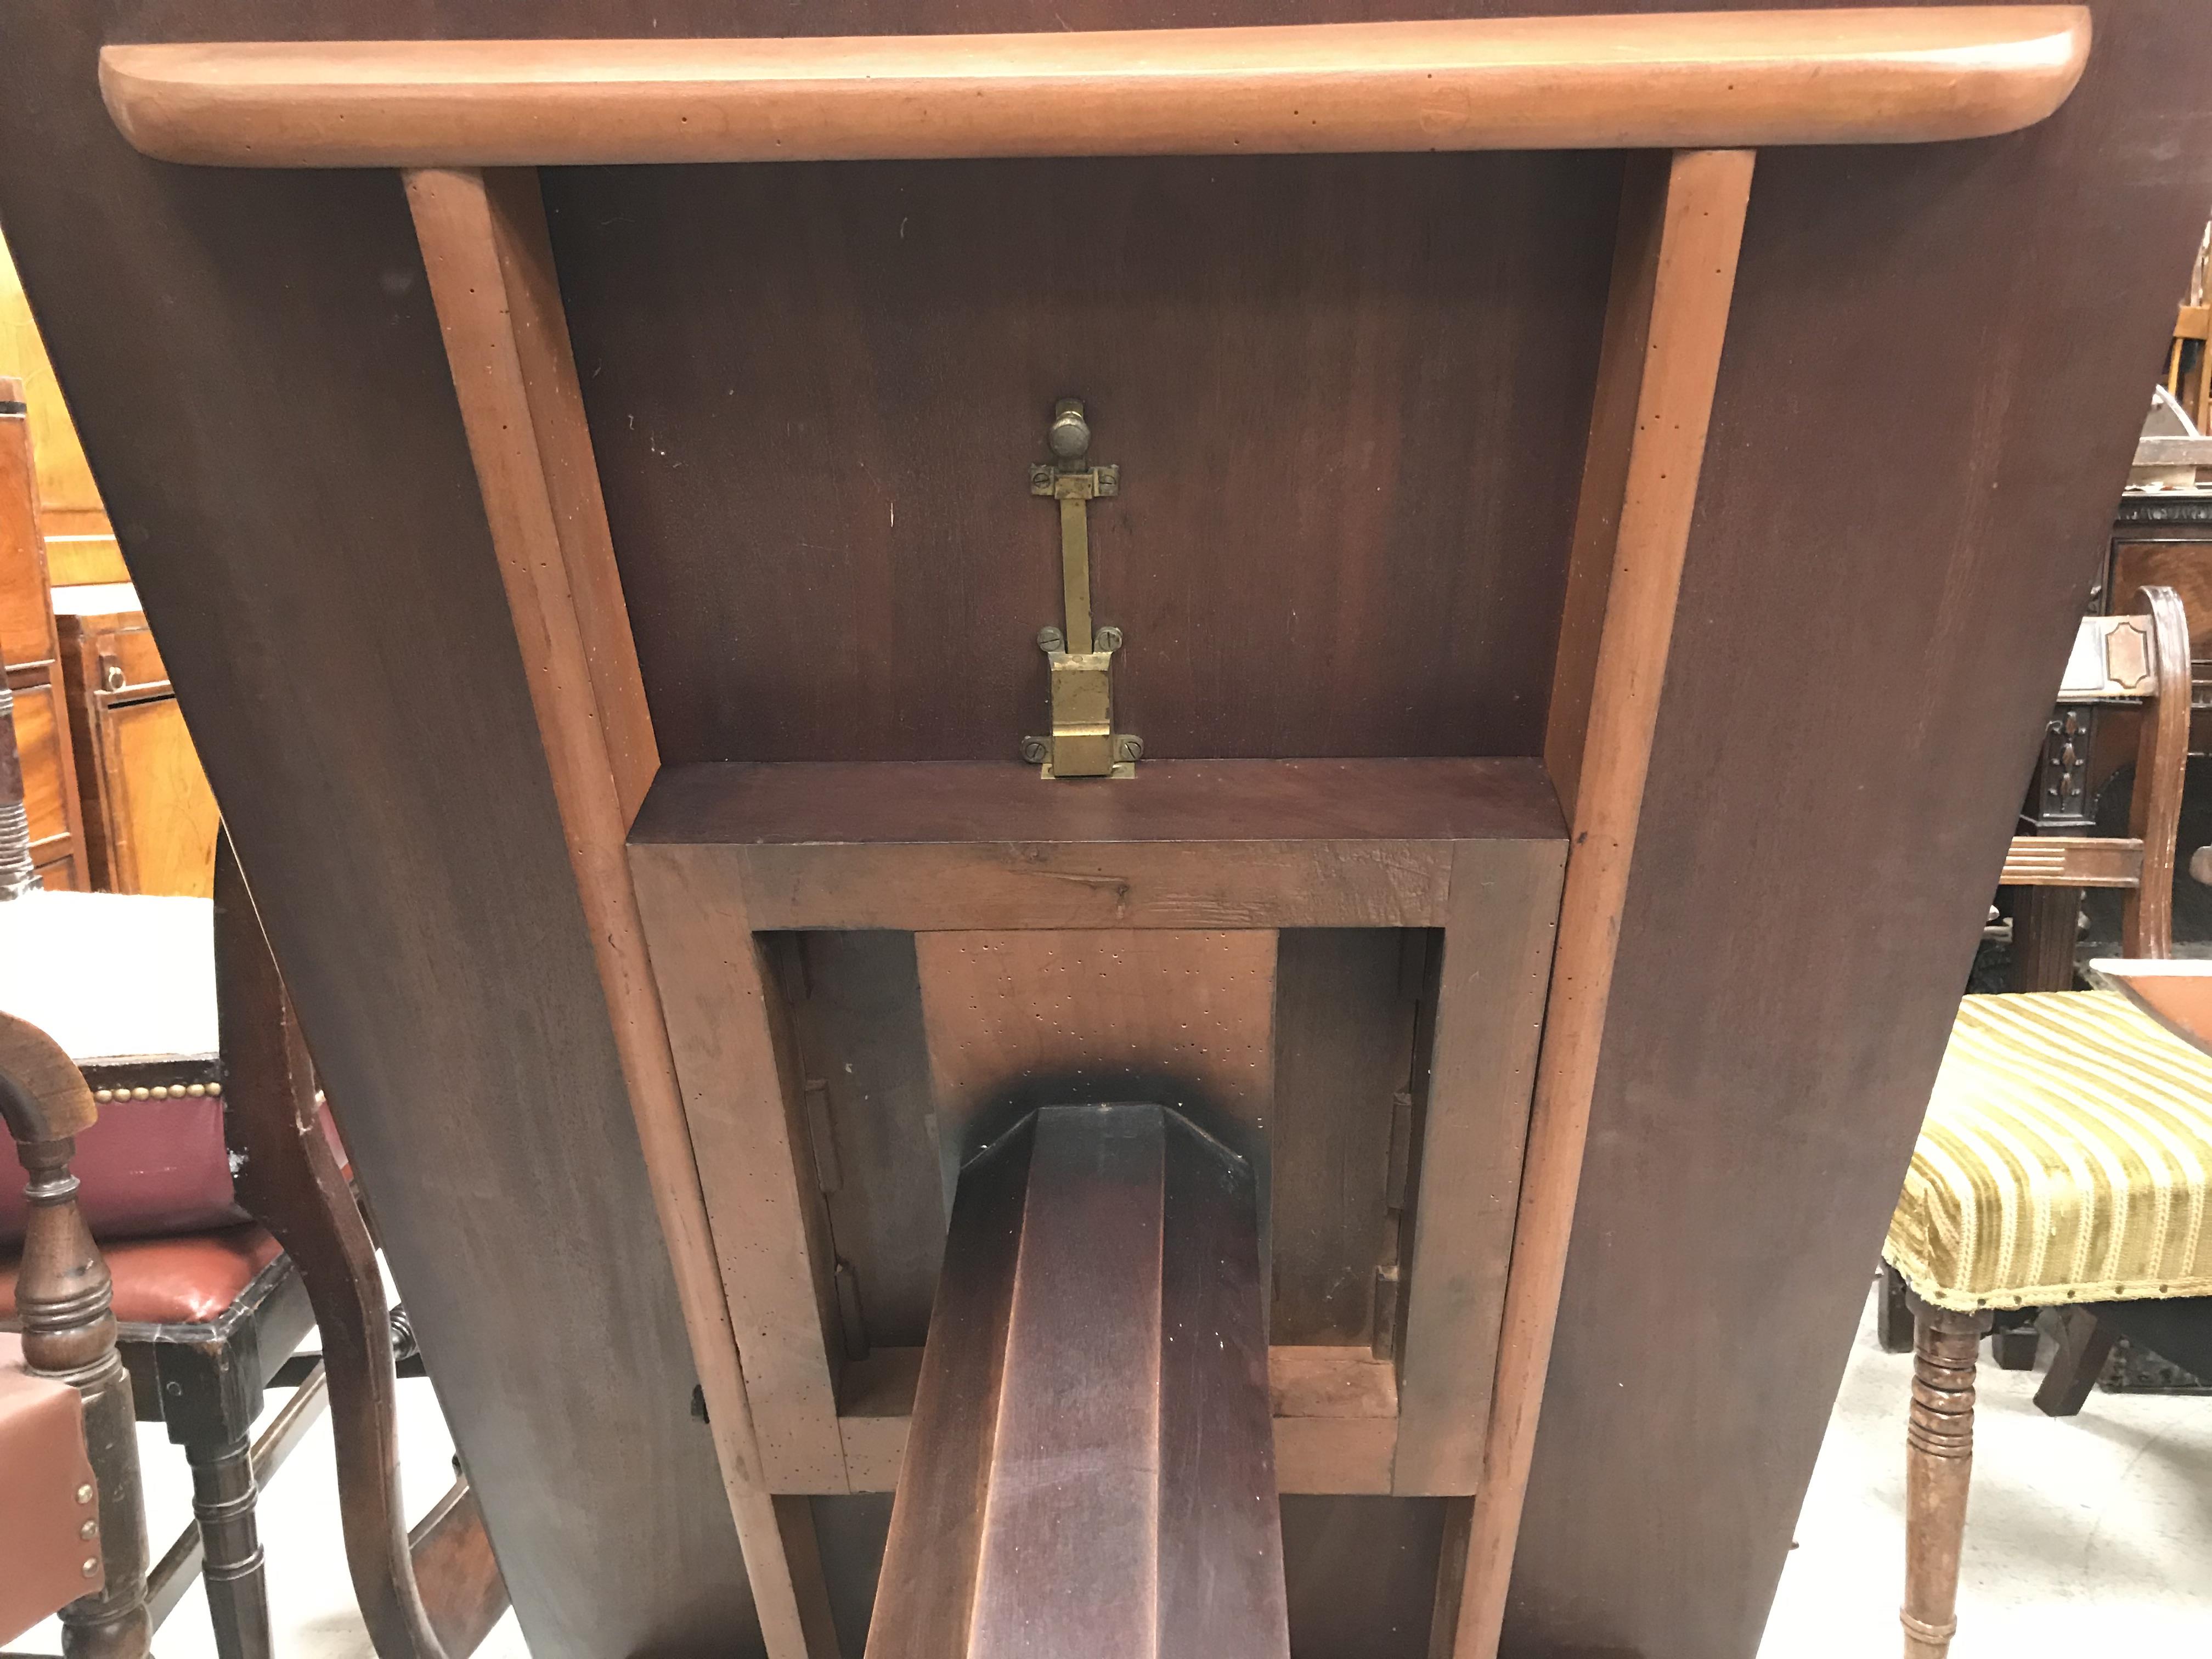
2085,1536
2088,1534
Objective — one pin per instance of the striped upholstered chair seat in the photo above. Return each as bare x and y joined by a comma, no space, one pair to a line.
2067,1158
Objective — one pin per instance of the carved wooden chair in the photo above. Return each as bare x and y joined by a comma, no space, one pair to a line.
72,1528
213,1303
2067,1155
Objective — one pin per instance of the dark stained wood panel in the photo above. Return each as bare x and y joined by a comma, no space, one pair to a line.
1347,396
856,1007
1935,371
1018,1021
1343,1061
1923,419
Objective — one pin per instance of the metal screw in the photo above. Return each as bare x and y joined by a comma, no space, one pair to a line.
1050,639
1034,751
1130,749
84,1494
1106,639
92,1566
89,1529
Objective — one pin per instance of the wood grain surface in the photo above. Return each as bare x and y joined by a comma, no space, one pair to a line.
1701,80
1906,554
1931,390
1188,845
1703,196
1015,1021
884,600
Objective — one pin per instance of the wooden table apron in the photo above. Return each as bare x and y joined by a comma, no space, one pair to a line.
574,643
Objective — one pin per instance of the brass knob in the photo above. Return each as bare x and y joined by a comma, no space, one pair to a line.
1070,436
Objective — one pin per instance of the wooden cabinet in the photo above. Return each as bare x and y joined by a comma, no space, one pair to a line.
81,544
150,818
30,651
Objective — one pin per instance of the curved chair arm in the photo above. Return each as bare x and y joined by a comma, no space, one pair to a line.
43,1096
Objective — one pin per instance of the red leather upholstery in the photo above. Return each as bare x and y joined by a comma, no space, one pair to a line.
174,1281
43,1468
148,1166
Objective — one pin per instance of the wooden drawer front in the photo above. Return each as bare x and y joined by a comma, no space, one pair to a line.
39,739
123,662
163,823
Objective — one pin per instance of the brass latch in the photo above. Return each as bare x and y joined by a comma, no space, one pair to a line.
1084,743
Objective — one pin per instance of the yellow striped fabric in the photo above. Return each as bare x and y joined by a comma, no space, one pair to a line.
2067,1158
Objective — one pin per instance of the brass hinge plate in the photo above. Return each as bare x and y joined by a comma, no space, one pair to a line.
1084,743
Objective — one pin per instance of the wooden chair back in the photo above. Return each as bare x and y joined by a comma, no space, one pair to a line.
2142,656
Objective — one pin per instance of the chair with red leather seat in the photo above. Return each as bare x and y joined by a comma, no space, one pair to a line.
231,1232
72,1528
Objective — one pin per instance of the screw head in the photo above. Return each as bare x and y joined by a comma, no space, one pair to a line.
1129,748
1071,434
89,1529
1034,751
1050,639
92,1566
1106,639
84,1494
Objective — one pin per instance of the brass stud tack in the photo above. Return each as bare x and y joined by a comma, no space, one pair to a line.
84,1494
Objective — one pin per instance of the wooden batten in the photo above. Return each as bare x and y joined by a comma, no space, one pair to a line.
1489,1016
1705,195
483,245
2073,862
1668,80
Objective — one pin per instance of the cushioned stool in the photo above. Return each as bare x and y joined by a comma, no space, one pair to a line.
2066,1159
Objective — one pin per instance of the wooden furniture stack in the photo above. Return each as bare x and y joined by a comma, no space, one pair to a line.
120,801
81,546
150,818
746,367
31,648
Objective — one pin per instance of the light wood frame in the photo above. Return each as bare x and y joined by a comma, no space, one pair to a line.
1709,88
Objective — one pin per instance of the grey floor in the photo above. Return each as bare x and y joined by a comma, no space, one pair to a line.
2088,1535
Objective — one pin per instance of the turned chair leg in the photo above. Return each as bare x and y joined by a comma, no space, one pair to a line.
223,1498
1938,1460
